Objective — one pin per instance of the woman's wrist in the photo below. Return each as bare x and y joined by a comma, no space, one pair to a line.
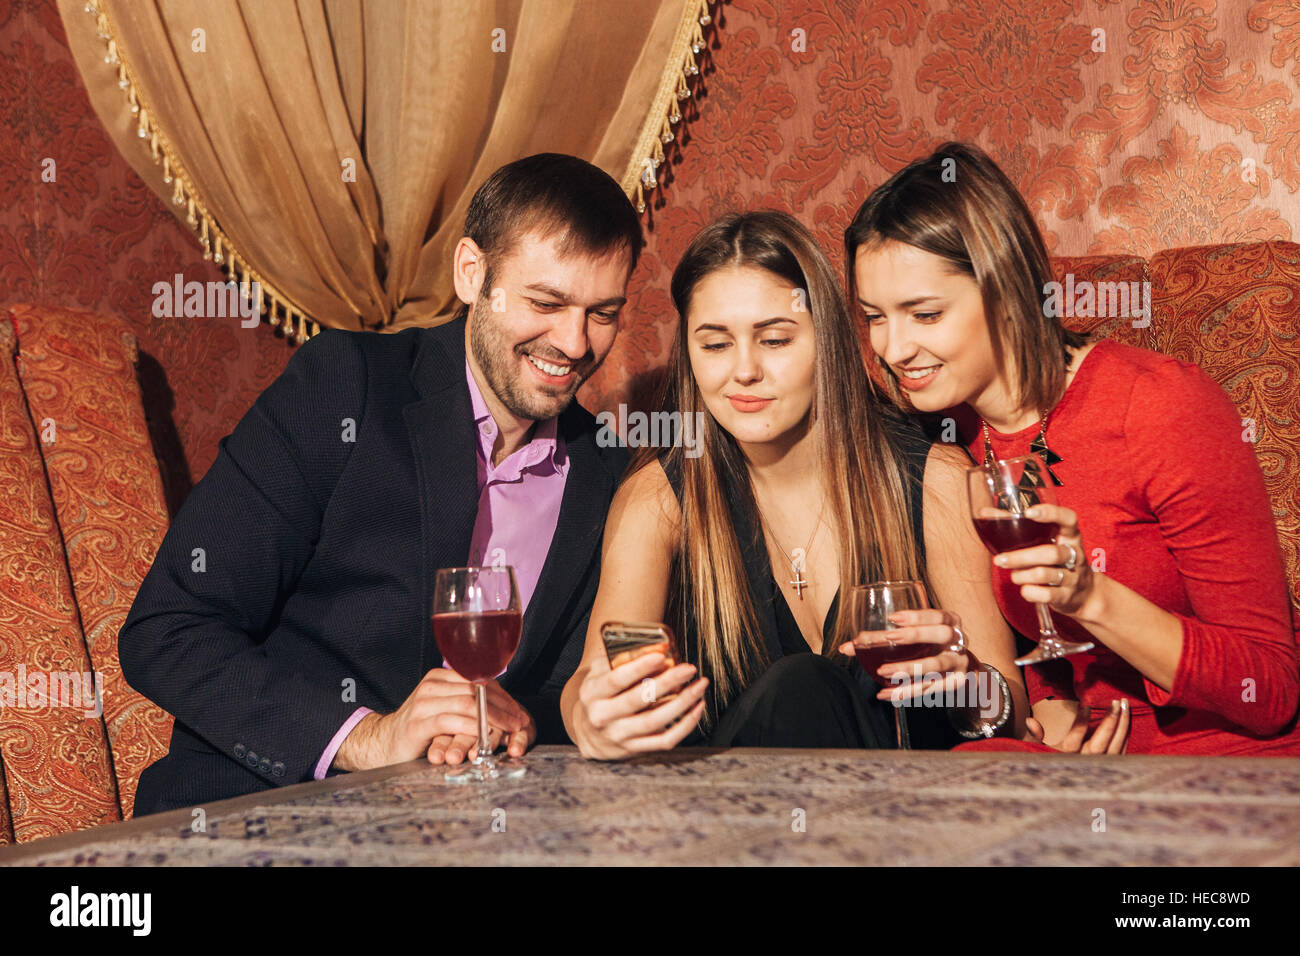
1095,607
581,733
970,714
991,712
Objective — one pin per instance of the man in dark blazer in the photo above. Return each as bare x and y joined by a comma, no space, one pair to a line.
285,622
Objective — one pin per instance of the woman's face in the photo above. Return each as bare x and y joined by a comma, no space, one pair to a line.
750,341
926,321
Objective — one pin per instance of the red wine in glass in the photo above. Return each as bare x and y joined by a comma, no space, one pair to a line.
874,657
478,646
870,606
1008,532
1001,492
476,622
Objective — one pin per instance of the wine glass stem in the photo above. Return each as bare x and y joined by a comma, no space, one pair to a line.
484,751
1046,629
900,727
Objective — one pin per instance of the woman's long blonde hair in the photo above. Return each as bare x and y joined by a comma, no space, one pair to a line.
862,465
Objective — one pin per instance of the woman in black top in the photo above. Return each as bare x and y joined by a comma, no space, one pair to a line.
801,483
800,717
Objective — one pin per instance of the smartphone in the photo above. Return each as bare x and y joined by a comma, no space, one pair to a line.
627,641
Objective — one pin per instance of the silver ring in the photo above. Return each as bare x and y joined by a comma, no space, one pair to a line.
1058,581
1074,556
960,644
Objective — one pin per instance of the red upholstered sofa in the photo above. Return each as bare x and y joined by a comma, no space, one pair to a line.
82,515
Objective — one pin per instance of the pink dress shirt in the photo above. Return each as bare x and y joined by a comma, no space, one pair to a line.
518,509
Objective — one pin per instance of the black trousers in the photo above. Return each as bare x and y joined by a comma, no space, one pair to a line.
803,700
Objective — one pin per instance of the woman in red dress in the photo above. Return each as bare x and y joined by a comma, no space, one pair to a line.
1167,557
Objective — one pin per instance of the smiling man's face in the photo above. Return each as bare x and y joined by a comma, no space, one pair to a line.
545,323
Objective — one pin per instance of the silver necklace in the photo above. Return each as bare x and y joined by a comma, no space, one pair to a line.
798,562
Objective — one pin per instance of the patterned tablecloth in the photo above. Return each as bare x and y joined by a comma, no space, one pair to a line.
739,807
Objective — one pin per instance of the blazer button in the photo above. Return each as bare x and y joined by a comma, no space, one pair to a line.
265,765
251,759
277,768
240,750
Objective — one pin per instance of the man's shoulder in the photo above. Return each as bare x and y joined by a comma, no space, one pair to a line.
374,346
389,366
344,350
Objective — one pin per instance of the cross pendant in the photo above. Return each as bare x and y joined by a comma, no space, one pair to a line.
799,582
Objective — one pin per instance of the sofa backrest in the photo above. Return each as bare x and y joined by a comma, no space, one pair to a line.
93,506
57,768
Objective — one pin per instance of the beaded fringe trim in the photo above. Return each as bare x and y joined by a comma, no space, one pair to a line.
216,244
641,175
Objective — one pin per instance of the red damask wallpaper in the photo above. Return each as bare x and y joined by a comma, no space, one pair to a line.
1130,125
96,238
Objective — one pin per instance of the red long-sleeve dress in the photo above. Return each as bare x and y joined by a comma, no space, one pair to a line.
1157,464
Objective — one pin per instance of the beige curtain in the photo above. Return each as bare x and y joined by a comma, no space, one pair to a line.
328,149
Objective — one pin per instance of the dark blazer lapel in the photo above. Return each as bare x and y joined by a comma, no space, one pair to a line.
587,493
441,429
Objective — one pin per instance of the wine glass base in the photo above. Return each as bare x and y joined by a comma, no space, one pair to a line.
478,771
1050,651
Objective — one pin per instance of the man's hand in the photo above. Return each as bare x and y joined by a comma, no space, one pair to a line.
442,704
452,749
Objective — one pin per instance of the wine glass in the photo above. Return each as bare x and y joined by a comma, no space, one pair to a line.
869,608
476,622
1000,493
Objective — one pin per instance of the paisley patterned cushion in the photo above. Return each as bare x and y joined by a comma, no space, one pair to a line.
1234,310
6,824
56,763
78,370
1113,314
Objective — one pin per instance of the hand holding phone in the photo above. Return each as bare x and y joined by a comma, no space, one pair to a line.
637,705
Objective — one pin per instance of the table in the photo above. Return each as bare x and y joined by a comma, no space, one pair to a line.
740,806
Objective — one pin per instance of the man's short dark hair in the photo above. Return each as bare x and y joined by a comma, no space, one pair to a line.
556,194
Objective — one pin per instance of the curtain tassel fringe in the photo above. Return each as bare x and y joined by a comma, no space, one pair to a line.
216,246
653,157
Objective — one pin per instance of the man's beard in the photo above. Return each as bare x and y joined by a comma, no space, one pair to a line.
499,363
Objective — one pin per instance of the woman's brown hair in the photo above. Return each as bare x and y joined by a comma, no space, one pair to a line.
862,466
958,205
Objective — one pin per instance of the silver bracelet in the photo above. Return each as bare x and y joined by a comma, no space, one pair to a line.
983,726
